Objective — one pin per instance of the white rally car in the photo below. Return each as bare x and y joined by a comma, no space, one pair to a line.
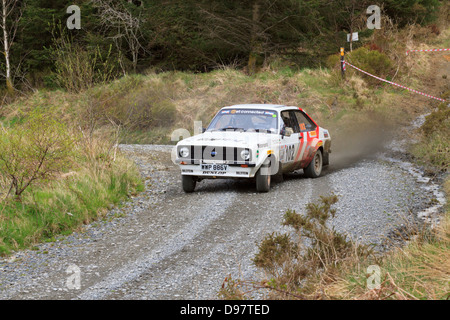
257,141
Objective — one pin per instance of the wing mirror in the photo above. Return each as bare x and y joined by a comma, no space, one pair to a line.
286,131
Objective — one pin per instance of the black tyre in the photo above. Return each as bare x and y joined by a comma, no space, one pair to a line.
314,169
188,183
263,181
325,159
278,177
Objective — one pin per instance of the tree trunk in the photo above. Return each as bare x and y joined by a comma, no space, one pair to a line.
351,39
9,84
253,55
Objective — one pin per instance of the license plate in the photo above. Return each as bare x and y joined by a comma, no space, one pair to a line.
215,167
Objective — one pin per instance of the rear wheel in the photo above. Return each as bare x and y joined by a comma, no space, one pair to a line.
188,183
314,169
326,158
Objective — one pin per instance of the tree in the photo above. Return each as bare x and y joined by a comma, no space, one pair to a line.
125,21
257,29
412,11
77,68
352,12
10,16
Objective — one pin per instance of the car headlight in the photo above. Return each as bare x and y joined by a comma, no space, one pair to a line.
245,154
184,152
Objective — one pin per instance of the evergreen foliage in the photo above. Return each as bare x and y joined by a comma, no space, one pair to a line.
193,35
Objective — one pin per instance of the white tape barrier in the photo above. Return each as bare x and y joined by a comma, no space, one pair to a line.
427,50
393,83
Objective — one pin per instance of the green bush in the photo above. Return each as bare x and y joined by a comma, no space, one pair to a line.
371,61
34,151
52,180
333,62
63,205
433,149
437,121
77,68
149,106
163,113
135,104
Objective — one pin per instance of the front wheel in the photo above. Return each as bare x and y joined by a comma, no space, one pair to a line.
262,181
314,169
188,183
278,177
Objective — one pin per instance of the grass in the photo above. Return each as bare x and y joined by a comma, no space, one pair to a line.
149,107
96,177
64,205
418,271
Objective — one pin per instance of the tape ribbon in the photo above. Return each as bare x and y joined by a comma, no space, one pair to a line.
393,83
427,50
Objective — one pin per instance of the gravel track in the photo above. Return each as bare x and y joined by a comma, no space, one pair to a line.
165,244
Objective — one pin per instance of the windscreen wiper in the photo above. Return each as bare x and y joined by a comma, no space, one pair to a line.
263,130
230,128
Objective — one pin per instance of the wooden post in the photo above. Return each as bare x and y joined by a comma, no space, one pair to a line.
342,64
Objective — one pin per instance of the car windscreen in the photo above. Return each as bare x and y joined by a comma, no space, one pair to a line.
248,120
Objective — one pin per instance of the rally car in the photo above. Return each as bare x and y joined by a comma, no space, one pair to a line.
257,141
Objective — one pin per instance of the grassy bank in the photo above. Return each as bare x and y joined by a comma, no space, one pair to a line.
54,178
62,206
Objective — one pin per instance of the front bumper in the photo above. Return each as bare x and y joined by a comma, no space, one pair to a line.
218,170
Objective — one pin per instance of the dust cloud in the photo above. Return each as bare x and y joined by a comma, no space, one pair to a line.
357,142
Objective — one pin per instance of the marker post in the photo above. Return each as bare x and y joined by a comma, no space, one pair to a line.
342,64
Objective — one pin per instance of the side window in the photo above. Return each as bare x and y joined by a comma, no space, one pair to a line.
289,120
294,122
286,119
304,122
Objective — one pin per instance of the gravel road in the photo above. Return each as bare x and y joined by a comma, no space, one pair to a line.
165,244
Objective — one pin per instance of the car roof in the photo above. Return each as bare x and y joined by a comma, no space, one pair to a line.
260,106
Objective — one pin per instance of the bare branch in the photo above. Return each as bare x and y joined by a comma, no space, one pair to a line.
114,15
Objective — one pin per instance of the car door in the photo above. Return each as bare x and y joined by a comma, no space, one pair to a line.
290,140
308,132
